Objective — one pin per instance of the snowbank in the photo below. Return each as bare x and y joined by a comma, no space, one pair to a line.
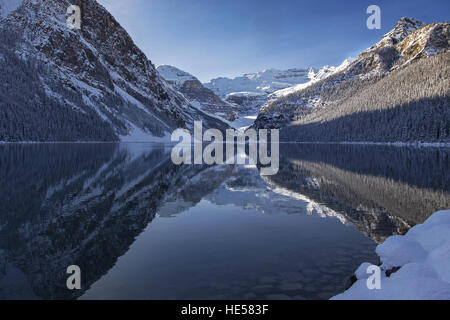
423,255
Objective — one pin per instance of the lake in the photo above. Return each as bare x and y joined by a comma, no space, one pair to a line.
140,227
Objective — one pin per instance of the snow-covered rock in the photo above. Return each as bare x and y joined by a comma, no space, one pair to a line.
197,94
419,260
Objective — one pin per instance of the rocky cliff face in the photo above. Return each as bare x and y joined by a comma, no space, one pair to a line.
408,42
95,76
197,94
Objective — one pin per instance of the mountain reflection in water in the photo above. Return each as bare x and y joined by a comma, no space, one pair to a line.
140,227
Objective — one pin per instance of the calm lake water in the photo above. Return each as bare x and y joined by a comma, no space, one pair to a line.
140,227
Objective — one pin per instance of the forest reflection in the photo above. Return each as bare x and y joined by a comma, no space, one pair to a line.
383,190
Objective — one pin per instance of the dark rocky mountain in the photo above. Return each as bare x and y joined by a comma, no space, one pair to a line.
92,84
198,95
397,90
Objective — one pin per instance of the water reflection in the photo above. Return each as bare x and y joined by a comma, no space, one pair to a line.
141,227
78,204
382,190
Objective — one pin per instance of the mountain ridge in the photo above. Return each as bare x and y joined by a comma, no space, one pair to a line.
268,81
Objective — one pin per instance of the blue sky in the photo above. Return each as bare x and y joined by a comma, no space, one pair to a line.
212,38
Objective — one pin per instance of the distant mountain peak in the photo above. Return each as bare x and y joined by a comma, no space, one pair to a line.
250,91
197,94
327,71
266,81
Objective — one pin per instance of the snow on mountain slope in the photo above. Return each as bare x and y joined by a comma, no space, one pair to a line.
403,28
197,94
268,84
323,73
174,75
327,71
267,81
410,40
93,78
250,91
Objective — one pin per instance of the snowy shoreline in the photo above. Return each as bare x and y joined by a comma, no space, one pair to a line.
415,266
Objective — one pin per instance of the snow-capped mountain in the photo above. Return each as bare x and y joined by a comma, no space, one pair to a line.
197,94
267,85
327,71
89,84
267,81
323,73
404,27
397,71
250,91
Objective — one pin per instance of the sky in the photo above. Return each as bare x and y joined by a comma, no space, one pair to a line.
228,38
